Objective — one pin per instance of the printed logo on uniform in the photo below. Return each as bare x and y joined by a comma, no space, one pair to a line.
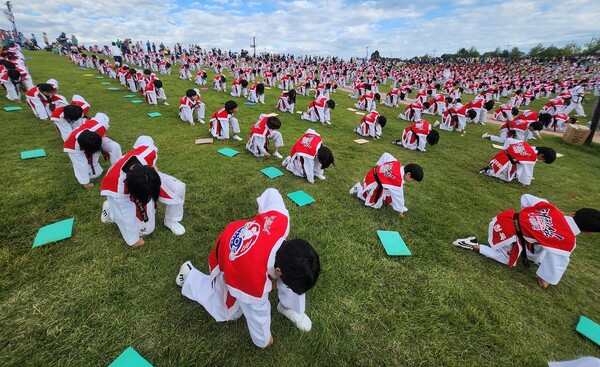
243,239
268,222
520,149
307,140
386,170
541,221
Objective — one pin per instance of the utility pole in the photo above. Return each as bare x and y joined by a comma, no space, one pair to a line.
507,45
367,54
11,18
253,45
434,53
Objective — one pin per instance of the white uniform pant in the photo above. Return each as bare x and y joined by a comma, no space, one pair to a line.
187,114
151,96
84,171
575,106
224,125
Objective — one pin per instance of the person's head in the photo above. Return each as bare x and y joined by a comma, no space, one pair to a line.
514,111
471,114
297,265
14,75
325,157
132,71
377,97
273,123
433,137
223,79
572,120
489,105
53,83
89,141
191,93
292,96
72,112
367,86
548,155
449,100
413,172
260,89
46,89
157,84
382,121
244,83
231,107
536,126
143,183
426,105
545,118
330,104
587,219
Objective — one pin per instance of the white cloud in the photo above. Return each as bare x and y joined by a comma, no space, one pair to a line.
337,27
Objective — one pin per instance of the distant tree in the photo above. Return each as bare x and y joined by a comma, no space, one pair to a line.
571,49
551,52
515,53
375,55
537,51
473,52
592,48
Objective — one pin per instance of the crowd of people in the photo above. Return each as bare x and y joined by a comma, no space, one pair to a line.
250,255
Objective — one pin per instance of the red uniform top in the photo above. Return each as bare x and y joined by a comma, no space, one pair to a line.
71,144
242,254
114,180
308,145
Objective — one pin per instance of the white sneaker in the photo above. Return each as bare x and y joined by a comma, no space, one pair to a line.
301,321
105,216
235,137
436,123
202,121
192,123
175,227
355,188
277,155
319,176
485,136
285,161
328,122
165,103
466,243
183,273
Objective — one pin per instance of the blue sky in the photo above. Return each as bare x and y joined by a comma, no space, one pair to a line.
342,28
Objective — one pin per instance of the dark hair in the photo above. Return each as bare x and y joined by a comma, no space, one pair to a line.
157,83
273,123
230,106
72,112
514,111
536,125
14,75
325,157
45,87
330,104
382,121
489,105
433,137
545,118
587,219
377,96
143,183
426,104
132,71
292,96
299,265
223,79
260,88
190,93
367,86
244,83
458,100
471,113
416,172
548,153
89,141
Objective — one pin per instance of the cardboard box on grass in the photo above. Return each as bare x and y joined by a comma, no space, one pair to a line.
576,134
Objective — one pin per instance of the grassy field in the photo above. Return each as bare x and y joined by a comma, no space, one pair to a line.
82,301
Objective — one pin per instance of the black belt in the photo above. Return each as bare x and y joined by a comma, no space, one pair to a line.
511,159
379,189
524,258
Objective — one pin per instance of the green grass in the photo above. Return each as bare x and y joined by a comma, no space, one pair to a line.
82,301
